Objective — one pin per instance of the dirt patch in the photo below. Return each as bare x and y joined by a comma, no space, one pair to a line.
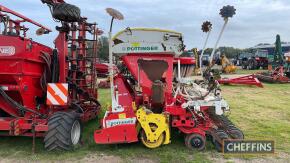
278,158
212,156
90,158
103,158
143,160
100,158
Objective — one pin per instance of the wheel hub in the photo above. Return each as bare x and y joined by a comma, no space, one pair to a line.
196,142
75,132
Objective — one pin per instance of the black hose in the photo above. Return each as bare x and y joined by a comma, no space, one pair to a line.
46,77
17,105
54,67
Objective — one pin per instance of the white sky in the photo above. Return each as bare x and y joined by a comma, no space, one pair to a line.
256,21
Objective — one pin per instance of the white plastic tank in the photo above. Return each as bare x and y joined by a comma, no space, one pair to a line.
148,40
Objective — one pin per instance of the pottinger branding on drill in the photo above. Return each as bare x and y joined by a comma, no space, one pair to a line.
7,50
145,48
115,122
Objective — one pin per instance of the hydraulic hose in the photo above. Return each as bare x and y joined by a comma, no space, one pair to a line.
17,105
46,77
54,67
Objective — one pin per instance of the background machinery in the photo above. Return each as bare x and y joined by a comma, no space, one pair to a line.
47,92
279,71
150,98
211,75
227,66
255,60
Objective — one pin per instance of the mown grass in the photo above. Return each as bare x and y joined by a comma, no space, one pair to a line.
262,113
242,71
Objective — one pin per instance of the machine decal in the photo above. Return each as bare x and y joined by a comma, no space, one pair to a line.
115,122
57,93
7,50
142,48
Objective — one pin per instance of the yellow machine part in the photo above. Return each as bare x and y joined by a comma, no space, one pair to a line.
227,66
229,69
155,128
197,58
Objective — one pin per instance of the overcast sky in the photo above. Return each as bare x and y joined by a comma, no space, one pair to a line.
256,21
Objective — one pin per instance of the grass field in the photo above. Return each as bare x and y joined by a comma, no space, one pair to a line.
262,113
241,71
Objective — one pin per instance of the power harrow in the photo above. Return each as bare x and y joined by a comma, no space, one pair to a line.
48,92
148,98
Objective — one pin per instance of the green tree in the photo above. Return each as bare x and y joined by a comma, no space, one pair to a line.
103,44
230,52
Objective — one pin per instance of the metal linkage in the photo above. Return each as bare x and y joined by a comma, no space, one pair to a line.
206,27
226,12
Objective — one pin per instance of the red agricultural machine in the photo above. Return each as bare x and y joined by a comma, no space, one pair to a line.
47,92
243,80
279,67
187,66
147,100
256,60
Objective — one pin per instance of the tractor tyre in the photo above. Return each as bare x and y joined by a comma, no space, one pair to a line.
64,132
253,65
195,141
265,67
244,65
66,12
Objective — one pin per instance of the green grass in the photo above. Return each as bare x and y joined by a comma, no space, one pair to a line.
262,113
242,71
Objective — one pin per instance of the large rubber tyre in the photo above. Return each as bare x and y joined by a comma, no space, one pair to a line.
244,66
253,65
265,67
66,12
195,141
64,132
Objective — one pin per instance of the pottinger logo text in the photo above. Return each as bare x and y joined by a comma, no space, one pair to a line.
7,50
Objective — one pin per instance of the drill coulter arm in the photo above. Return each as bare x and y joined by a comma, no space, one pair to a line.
24,19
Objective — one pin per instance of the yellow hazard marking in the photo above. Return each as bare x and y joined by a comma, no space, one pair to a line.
122,116
135,44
